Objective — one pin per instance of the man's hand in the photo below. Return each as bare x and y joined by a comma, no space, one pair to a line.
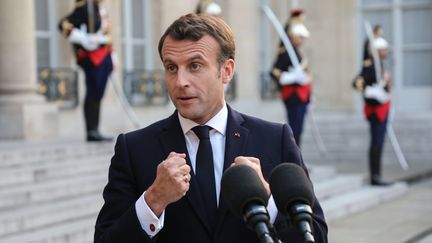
256,165
171,183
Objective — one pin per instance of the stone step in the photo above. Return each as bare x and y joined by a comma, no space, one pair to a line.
37,216
20,196
358,200
74,231
387,158
44,171
338,185
318,173
16,155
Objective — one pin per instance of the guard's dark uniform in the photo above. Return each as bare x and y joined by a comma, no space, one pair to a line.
376,112
296,95
96,64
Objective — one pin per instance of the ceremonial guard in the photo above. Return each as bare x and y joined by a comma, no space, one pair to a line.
294,83
374,83
88,29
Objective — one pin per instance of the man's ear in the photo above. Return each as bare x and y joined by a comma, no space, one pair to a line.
228,71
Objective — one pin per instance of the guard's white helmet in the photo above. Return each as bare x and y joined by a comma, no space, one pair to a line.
213,9
380,43
299,29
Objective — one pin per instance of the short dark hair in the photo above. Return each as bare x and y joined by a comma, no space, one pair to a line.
195,26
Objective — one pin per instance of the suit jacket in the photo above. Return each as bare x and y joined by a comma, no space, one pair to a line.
133,170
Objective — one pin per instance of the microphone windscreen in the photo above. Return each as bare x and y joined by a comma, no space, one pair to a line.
240,186
289,184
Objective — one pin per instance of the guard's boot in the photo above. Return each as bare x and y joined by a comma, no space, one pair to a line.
375,166
91,114
95,136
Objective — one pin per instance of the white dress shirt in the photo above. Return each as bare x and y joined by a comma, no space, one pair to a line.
148,220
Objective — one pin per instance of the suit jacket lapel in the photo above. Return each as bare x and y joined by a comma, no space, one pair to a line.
172,139
236,137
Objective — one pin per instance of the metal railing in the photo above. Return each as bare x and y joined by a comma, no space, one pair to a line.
59,85
145,87
268,87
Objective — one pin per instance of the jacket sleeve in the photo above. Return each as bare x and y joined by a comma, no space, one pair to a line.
281,64
286,230
72,20
117,220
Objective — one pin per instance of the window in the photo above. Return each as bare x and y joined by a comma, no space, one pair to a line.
136,34
46,33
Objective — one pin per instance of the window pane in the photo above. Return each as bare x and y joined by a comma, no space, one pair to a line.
417,26
42,18
371,2
43,57
417,68
137,19
138,57
416,1
383,18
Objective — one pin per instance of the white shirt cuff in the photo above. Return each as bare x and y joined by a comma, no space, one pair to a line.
272,209
149,222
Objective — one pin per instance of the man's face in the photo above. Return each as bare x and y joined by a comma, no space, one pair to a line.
296,40
194,78
382,53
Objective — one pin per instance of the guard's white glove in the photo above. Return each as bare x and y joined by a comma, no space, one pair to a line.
88,41
376,92
101,38
292,76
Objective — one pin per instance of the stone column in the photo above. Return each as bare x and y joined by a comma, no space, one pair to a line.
23,113
331,51
243,17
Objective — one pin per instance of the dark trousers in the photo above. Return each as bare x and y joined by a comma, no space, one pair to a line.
377,130
96,78
296,113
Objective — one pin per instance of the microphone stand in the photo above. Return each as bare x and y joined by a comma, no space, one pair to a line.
258,219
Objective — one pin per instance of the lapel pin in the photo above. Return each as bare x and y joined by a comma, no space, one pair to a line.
237,134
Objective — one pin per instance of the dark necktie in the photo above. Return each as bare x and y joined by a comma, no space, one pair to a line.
205,172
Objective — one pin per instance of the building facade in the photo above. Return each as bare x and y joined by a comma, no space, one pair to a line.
333,50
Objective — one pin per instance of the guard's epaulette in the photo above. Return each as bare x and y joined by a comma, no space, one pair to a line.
367,62
276,72
359,83
66,27
80,3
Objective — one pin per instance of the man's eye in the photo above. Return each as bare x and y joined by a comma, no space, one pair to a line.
195,66
171,68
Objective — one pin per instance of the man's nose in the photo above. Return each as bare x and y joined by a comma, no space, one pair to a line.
182,78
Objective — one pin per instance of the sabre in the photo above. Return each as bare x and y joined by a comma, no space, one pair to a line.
395,144
90,13
377,66
284,38
124,103
133,118
294,60
378,74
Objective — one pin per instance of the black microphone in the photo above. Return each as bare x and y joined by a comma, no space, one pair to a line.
246,196
293,195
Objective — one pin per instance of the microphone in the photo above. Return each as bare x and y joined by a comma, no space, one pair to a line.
293,195
246,196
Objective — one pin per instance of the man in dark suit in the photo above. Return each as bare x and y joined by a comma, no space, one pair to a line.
155,189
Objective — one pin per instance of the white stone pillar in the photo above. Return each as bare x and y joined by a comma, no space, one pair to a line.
243,17
23,113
